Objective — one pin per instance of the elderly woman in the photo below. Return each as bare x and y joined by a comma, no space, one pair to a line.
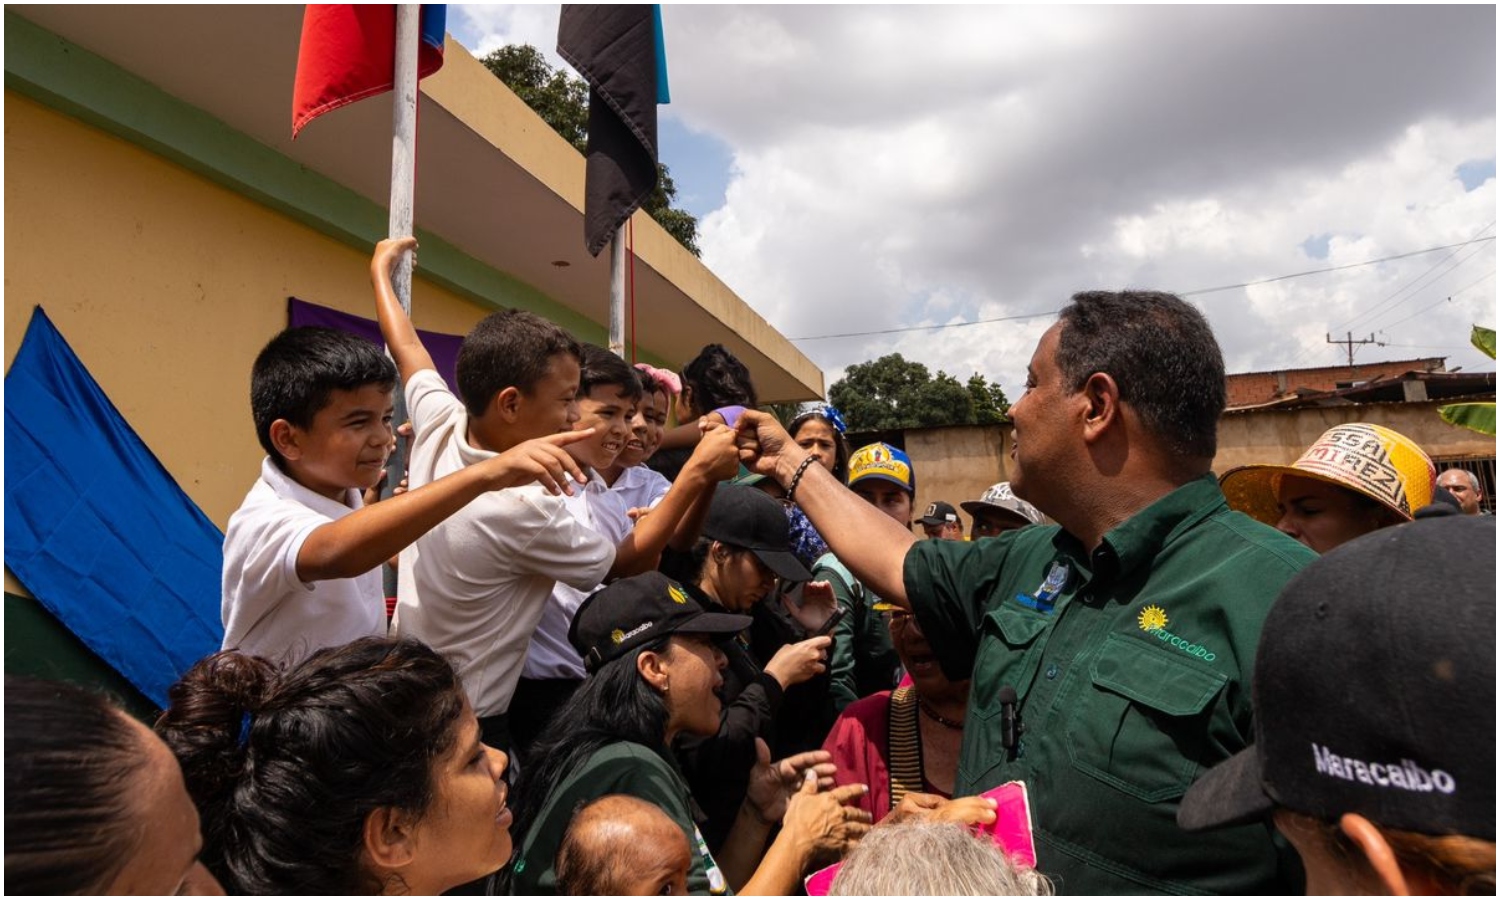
1353,480
907,740
655,672
360,771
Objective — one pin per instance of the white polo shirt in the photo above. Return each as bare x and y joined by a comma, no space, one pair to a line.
474,587
599,507
267,610
641,487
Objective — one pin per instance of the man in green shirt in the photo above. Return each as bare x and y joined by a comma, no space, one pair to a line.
1111,655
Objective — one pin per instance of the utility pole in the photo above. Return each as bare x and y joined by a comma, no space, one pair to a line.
1349,343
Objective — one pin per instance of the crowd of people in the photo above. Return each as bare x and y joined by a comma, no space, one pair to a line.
636,657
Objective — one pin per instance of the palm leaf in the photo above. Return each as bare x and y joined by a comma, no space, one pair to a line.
1484,339
1478,417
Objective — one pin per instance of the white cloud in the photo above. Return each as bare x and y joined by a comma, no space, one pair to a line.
898,166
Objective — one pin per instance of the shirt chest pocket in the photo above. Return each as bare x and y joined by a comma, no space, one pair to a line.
1141,722
1016,630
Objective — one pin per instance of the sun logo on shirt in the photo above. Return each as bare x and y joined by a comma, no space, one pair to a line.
1152,618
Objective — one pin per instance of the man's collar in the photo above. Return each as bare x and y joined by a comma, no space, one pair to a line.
1141,537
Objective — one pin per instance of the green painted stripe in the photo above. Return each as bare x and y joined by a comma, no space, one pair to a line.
65,77
38,645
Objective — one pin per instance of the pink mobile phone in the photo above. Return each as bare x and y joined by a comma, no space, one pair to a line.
1012,826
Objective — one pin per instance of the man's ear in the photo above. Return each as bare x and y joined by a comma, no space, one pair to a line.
285,437
650,667
507,403
1102,397
1378,853
390,839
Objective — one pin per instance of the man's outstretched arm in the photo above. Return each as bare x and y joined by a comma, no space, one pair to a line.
866,540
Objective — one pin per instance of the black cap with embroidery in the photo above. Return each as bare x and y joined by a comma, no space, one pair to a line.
638,610
1374,689
939,513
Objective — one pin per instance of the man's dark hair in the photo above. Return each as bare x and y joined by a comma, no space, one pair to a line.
1162,355
510,348
285,766
73,764
600,366
718,378
299,369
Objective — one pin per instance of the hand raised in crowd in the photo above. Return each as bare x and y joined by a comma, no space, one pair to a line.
542,460
718,451
796,663
818,604
388,253
762,441
932,808
824,820
772,784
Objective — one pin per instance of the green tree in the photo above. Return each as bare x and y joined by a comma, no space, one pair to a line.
990,404
563,102
893,392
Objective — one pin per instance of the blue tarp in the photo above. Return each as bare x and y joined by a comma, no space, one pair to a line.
95,527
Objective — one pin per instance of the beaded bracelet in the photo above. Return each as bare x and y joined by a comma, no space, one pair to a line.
791,488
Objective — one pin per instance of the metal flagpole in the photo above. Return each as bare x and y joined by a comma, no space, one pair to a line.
403,190
617,293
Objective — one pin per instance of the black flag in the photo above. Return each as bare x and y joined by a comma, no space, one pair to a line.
614,49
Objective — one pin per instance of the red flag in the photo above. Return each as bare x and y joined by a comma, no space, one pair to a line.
348,53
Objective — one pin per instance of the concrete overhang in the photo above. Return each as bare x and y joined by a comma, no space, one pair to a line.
492,178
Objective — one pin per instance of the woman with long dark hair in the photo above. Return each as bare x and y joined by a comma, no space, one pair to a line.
360,771
655,673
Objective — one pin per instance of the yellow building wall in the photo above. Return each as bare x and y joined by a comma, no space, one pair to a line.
167,285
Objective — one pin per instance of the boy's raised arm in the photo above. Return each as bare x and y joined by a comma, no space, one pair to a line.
367,537
715,459
395,326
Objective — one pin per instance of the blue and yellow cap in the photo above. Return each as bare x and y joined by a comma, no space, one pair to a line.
884,462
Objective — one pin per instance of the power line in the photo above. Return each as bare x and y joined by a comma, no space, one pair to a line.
1229,287
1380,307
1446,299
821,337
1368,262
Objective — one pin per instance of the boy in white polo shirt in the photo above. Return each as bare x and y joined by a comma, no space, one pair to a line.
475,587
302,553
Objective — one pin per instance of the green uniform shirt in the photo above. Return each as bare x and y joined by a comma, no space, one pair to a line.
623,768
1132,665
862,660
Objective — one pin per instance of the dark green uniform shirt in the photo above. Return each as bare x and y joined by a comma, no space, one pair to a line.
623,768
862,660
1132,664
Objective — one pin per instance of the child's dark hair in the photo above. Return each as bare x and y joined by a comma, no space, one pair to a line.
601,366
285,767
510,348
72,763
299,369
718,379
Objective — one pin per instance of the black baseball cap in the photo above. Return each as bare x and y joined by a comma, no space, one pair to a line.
638,610
939,513
1374,689
749,518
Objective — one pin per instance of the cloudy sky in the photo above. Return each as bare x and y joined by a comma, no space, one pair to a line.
865,169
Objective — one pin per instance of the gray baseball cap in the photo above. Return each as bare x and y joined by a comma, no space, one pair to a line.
999,497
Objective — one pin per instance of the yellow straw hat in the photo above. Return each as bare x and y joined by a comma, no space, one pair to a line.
1368,459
